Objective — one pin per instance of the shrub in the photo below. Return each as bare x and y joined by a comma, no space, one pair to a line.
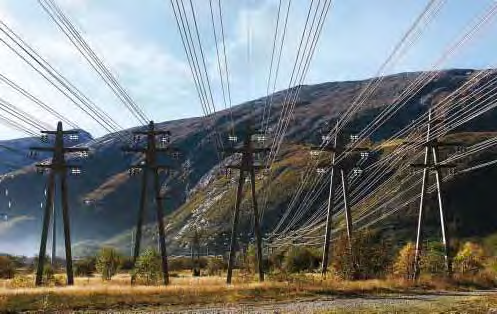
108,262
369,260
59,280
22,281
180,263
48,275
215,266
33,266
85,267
248,259
432,259
342,262
404,264
7,267
126,263
276,260
299,259
470,259
147,268
186,263
373,256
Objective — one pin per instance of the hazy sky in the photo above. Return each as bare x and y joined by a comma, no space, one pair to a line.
139,42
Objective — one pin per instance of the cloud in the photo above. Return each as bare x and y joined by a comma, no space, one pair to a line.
6,226
153,76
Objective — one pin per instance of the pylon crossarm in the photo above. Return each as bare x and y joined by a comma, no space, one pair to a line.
42,149
76,149
64,166
134,149
259,166
327,148
152,132
357,150
444,166
239,166
234,166
231,151
60,132
244,150
260,150
145,150
420,165
436,143
450,144
158,167
433,167
168,150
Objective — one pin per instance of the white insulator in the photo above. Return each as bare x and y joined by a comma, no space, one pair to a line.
326,138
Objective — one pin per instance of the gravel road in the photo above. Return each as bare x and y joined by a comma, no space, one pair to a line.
317,305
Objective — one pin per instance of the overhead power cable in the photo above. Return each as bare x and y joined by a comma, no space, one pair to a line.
68,28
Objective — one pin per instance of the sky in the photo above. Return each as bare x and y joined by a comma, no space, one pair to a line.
140,44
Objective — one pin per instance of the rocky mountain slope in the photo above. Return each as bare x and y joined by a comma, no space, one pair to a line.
104,199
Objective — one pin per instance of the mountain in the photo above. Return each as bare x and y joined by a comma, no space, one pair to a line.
104,199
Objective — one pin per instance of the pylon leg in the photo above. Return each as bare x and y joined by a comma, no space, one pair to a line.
160,225
348,221
424,183
67,229
257,227
443,219
54,234
139,222
329,220
44,232
231,258
348,217
141,213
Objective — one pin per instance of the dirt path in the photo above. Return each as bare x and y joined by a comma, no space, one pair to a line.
405,302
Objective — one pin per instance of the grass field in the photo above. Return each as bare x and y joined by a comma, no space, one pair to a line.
184,290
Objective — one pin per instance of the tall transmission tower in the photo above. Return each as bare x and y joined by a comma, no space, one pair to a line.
246,167
151,165
432,163
336,147
57,168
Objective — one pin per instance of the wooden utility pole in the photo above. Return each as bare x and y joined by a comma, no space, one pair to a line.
54,235
151,165
432,163
57,168
246,168
343,166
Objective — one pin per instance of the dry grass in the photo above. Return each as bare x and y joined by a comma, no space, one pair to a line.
94,294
